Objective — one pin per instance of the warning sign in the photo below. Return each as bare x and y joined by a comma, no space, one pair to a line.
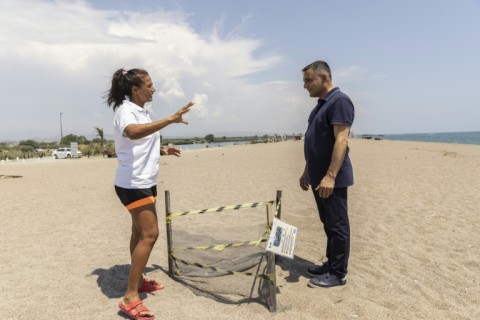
282,239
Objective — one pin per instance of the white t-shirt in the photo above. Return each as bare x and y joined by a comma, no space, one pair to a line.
137,159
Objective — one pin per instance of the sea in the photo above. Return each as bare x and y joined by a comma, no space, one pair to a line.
472,137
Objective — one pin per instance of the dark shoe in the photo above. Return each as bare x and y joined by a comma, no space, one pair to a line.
326,281
316,271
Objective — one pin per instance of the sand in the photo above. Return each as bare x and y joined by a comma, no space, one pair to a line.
414,211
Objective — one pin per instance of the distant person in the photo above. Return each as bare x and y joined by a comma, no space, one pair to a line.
137,145
328,170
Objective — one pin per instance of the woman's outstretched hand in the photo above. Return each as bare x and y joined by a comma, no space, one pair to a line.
178,116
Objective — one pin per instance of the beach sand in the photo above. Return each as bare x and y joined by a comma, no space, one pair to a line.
414,212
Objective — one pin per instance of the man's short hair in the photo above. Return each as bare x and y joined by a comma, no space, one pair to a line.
319,66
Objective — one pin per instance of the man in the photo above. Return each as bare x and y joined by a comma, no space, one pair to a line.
328,170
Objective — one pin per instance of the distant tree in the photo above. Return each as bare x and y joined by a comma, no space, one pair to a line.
26,148
101,137
48,145
210,138
32,143
83,140
74,138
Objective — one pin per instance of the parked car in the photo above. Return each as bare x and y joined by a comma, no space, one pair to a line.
62,153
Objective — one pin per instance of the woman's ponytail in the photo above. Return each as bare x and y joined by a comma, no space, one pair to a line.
122,84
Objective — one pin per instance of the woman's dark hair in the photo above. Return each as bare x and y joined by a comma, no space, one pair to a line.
122,84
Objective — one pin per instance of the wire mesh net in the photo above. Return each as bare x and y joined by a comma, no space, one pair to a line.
221,255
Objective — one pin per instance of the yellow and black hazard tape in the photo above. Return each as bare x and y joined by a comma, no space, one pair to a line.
219,209
265,276
219,247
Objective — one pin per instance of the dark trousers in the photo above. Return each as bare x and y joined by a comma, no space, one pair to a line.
333,213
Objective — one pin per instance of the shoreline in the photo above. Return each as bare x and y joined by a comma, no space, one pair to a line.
213,147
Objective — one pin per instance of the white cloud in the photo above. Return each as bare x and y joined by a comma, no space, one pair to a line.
171,90
200,108
65,52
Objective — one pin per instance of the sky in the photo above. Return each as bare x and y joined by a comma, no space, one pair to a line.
408,66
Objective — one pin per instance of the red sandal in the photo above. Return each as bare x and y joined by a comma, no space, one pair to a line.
136,310
150,286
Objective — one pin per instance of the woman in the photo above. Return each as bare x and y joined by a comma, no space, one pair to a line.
137,144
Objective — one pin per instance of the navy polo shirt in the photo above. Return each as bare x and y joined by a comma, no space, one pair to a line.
335,108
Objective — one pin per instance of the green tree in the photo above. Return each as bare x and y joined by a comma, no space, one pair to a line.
74,138
101,137
210,138
26,149
30,142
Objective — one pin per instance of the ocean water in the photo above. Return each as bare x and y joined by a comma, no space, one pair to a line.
472,137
